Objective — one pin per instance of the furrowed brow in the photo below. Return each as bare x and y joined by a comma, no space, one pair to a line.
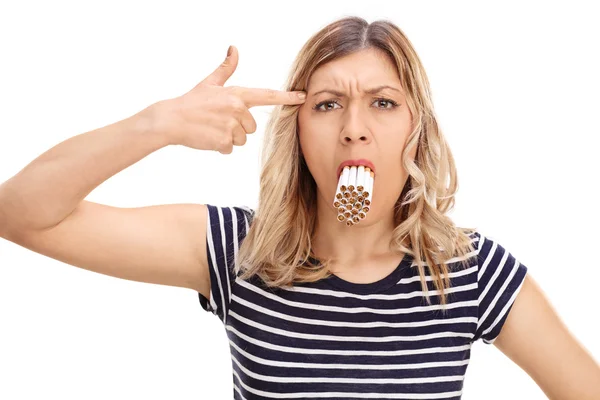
374,90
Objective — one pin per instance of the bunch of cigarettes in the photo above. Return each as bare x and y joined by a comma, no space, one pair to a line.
354,194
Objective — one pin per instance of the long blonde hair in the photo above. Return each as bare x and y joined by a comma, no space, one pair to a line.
277,247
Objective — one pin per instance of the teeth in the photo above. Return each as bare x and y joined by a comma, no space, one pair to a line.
354,193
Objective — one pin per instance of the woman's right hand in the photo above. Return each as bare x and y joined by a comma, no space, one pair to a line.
213,117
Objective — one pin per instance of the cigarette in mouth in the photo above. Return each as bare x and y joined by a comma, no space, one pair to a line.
360,177
352,179
343,184
354,192
370,182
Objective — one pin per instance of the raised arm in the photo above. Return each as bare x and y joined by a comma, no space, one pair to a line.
43,210
43,207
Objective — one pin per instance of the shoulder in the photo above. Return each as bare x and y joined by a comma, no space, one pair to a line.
226,228
500,277
218,212
222,220
491,253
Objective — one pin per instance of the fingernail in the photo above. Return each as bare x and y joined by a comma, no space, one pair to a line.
302,95
229,50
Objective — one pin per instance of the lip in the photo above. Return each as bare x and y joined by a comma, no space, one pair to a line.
361,161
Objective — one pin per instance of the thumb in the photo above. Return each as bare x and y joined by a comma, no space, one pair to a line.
220,75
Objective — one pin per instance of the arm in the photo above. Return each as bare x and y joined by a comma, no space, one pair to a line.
49,188
536,339
42,209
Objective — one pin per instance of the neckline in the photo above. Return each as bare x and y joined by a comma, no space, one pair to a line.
403,269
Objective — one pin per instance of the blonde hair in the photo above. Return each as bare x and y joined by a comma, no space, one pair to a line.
277,247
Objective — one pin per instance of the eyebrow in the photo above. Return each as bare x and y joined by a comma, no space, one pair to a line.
374,90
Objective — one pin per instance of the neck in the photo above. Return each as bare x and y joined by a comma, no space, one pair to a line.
351,245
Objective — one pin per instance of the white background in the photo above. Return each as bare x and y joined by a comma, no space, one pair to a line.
515,87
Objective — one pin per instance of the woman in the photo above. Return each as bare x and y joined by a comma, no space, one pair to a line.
316,300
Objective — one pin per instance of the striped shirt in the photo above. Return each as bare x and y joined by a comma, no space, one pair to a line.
337,339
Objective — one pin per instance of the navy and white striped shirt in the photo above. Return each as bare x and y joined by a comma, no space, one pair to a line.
336,339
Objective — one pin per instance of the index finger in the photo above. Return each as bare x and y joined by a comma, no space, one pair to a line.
253,97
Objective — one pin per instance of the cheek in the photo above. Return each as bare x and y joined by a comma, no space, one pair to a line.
317,144
397,143
314,150
318,154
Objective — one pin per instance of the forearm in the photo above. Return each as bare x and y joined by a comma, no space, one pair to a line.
49,188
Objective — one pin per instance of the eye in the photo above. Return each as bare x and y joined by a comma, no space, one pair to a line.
324,103
391,103
387,101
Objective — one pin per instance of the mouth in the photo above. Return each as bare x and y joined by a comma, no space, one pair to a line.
354,191
355,163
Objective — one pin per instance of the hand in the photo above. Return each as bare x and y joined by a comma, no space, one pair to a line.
213,117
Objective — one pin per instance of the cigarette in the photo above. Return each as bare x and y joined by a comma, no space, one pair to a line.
360,178
369,189
352,178
354,194
339,193
343,184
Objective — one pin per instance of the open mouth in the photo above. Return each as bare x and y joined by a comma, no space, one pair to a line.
355,163
354,193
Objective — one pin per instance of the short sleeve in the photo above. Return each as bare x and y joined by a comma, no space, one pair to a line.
499,280
226,228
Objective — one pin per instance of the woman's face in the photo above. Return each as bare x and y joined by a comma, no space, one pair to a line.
341,120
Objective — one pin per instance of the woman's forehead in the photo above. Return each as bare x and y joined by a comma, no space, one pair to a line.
362,71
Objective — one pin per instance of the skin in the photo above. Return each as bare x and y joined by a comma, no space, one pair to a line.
352,126
360,126
537,340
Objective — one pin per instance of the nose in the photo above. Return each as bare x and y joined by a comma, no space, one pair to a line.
354,136
354,127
